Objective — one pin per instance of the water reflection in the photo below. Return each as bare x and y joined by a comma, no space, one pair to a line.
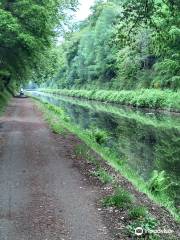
146,141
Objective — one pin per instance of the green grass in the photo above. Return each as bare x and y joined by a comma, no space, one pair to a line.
120,199
111,158
159,182
98,135
146,98
148,224
103,176
82,150
138,215
138,212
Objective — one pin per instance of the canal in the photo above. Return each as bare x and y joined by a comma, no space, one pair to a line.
146,140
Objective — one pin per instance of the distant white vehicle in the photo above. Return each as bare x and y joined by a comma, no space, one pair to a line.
22,92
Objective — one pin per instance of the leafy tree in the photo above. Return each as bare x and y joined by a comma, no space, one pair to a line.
122,45
27,29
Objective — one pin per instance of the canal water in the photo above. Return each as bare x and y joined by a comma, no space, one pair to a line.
147,140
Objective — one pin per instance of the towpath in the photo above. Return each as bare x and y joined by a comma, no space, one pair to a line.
42,196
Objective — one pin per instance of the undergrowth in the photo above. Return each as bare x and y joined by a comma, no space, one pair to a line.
4,97
137,212
103,176
147,223
159,183
120,199
147,98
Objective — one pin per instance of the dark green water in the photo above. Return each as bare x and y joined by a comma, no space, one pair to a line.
146,140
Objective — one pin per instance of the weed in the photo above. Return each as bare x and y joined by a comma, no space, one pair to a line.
152,98
148,224
103,176
159,182
57,128
120,199
98,135
83,151
138,212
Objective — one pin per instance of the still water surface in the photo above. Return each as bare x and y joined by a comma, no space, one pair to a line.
145,139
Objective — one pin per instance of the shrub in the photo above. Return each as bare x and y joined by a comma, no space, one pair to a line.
147,224
159,182
120,199
138,212
98,135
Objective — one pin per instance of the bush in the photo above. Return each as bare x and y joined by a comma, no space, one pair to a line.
138,212
159,182
120,199
147,224
98,135
167,74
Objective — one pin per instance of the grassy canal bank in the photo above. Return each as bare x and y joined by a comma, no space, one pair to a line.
145,98
156,188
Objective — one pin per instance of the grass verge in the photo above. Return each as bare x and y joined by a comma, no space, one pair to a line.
134,214
147,98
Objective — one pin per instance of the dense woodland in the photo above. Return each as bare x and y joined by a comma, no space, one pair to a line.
122,45
28,31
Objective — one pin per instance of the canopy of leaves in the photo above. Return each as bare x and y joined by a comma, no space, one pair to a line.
27,31
124,45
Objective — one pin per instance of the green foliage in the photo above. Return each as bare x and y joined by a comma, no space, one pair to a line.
147,223
138,212
141,98
123,45
56,127
58,111
98,135
120,199
4,97
83,150
27,33
159,182
103,176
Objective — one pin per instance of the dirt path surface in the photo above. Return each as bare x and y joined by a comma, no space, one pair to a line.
42,196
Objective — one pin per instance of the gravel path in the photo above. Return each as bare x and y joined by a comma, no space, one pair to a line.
42,196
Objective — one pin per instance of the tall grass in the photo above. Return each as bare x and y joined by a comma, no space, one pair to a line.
121,199
147,98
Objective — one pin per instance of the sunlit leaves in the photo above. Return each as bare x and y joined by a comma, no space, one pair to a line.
27,31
